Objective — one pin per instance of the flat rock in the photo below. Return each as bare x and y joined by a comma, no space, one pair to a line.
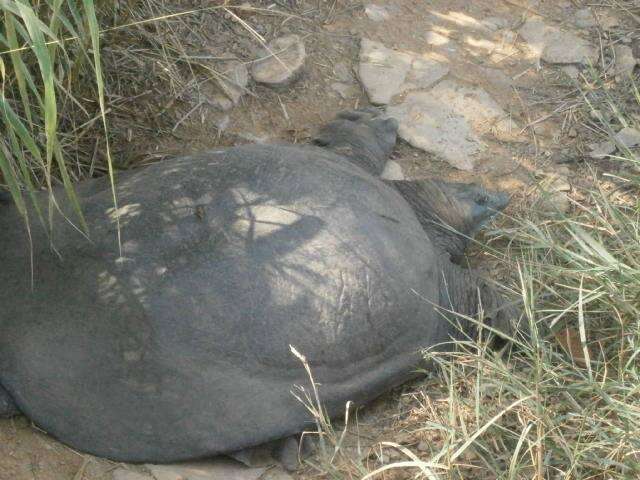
385,73
629,137
376,13
602,149
553,45
625,61
425,71
449,120
382,71
392,171
282,62
217,469
233,79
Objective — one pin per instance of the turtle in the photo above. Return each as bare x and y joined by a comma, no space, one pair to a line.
166,332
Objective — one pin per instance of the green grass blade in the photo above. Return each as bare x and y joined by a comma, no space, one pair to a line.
36,29
94,31
12,182
19,68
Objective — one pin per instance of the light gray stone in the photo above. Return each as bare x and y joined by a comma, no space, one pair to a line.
602,149
449,120
553,45
376,13
392,171
429,124
629,137
382,71
385,73
425,71
216,469
282,63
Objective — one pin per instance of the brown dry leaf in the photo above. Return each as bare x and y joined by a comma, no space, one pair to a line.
569,339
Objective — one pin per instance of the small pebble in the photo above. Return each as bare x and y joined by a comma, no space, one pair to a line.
376,13
282,63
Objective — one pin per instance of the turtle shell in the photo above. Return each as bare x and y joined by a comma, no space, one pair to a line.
177,345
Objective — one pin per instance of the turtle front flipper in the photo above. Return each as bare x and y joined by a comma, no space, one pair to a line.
363,137
464,294
450,213
7,407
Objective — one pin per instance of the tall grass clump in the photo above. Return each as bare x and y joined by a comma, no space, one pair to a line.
49,67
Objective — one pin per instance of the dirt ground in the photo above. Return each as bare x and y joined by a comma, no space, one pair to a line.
164,115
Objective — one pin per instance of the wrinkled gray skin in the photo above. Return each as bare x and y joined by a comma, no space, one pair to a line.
179,347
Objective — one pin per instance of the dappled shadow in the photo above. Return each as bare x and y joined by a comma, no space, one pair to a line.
227,258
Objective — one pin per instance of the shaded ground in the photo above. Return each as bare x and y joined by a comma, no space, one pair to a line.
173,111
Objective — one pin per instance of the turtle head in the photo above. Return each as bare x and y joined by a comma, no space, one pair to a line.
365,137
451,213
475,205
